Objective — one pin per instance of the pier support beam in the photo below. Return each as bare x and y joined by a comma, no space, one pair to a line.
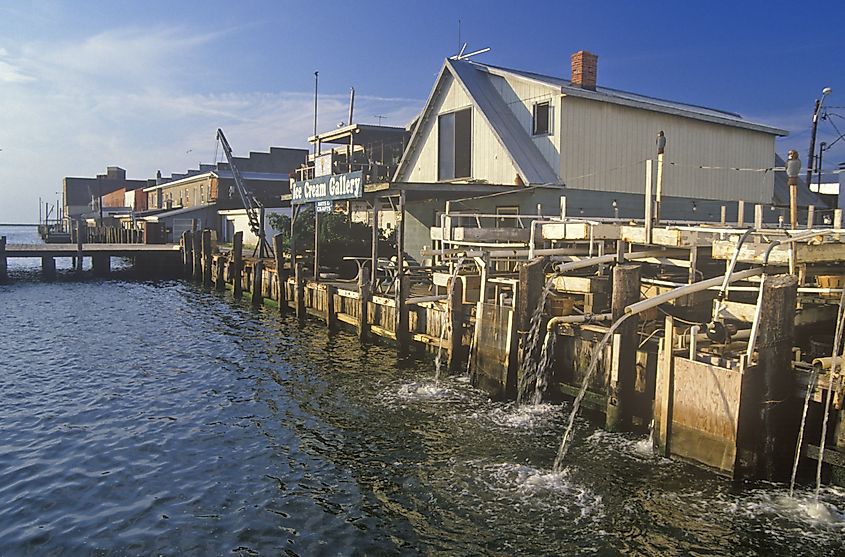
363,308
237,264
101,265
403,336
456,322
79,233
331,316
206,257
281,275
623,368
257,282
48,267
197,250
299,292
187,252
3,266
769,413
220,271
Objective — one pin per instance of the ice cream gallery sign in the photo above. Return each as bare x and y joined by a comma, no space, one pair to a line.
328,188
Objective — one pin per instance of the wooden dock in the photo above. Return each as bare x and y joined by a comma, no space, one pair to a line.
146,256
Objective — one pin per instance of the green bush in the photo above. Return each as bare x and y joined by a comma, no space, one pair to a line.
338,238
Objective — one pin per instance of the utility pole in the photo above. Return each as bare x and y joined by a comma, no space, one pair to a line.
811,155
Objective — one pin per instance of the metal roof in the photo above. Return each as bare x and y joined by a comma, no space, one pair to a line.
615,96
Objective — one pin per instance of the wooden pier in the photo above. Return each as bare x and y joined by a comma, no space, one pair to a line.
148,256
719,373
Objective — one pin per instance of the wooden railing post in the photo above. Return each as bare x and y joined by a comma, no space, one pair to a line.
206,257
257,281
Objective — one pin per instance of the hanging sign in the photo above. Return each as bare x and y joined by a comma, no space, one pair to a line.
324,206
328,188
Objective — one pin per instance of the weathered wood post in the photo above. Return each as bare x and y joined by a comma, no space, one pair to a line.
664,389
101,264
79,233
299,292
48,267
281,274
3,265
331,316
187,252
402,281
769,412
206,257
238,264
220,279
363,308
456,323
623,368
197,251
257,281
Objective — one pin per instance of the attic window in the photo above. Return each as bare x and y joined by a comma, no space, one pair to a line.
541,118
454,146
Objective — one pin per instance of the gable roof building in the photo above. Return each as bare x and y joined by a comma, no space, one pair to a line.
488,124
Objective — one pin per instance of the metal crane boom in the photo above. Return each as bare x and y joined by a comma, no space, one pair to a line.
251,204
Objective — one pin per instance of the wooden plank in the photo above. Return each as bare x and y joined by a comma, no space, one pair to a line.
831,252
580,285
579,231
462,234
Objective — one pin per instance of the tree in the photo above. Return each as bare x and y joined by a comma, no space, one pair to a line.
338,238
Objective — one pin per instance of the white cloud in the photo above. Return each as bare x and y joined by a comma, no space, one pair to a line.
118,98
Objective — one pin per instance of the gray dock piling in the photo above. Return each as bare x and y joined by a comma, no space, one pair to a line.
197,251
237,264
101,264
299,292
48,267
257,283
281,274
769,412
3,265
456,321
206,257
623,368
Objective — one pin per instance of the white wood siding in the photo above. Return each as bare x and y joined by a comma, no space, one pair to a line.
490,162
521,96
603,146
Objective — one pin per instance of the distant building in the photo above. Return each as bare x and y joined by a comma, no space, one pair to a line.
201,193
83,197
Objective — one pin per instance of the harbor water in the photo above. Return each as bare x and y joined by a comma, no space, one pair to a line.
158,418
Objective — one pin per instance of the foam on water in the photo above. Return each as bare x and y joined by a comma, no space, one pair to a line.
522,417
544,489
639,448
420,391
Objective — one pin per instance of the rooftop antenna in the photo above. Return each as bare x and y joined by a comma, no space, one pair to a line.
461,56
459,35
380,118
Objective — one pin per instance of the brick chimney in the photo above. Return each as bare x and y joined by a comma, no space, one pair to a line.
584,70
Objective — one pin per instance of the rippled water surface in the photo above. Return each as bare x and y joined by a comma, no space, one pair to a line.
154,418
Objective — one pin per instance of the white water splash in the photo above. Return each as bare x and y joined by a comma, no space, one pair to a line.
544,489
523,417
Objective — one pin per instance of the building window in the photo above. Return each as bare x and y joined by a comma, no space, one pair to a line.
454,146
542,120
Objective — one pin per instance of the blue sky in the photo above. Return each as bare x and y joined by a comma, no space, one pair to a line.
144,85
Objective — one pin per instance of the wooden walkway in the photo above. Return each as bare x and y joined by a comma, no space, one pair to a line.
72,250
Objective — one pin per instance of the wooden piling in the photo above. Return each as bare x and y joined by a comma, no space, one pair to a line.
187,252
3,265
48,267
456,322
664,387
206,257
299,292
220,278
769,413
531,283
79,233
257,281
363,306
623,369
197,251
101,264
281,274
237,264
331,316
403,336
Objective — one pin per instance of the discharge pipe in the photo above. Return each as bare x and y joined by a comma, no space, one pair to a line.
585,318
